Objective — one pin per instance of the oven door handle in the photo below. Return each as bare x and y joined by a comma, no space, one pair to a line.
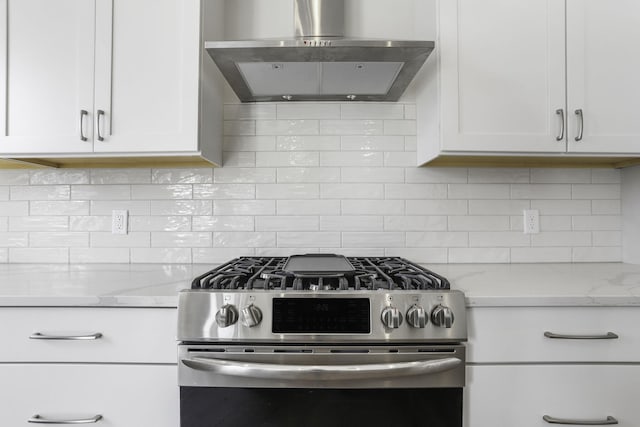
321,372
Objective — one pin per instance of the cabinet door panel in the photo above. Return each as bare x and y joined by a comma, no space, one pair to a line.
508,396
502,75
48,75
602,74
125,395
147,75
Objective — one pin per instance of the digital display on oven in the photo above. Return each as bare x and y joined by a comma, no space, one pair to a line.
321,315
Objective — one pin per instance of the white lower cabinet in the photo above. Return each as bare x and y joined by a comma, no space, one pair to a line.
123,395
520,395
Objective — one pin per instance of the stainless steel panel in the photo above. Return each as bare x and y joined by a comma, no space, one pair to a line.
319,18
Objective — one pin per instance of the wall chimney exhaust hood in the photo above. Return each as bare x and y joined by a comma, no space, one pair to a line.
319,63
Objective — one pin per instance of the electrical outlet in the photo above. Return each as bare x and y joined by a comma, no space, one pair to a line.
531,221
119,222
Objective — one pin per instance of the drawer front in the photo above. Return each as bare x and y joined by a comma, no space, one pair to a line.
123,395
508,396
517,334
124,335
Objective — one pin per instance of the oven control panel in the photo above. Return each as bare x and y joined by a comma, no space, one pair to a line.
301,316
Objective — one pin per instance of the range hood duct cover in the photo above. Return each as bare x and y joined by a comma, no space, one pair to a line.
319,64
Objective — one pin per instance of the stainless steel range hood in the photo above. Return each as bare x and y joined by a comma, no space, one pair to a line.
319,64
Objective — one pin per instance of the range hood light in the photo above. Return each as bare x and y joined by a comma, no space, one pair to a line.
351,97
287,97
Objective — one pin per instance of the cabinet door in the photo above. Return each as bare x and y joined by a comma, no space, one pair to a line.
602,74
46,75
502,75
147,63
520,395
124,395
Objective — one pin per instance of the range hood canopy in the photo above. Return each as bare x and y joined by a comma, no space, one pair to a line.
319,64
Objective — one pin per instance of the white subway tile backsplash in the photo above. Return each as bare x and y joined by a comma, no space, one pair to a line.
161,239
287,223
312,177
308,143
314,111
287,191
355,158
49,239
244,239
308,207
63,176
479,255
287,127
372,143
309,175
182,176
351,127
560,176
14,208
351,191
478,191
224,191
244,175
14,239
223,223
284,159
381,175
100,192
372,111
77,207
40,255
415,191
161,192
399,127
99,255
249,143
319,239
352,223
40,192
415,223
244,207
370,239
372,207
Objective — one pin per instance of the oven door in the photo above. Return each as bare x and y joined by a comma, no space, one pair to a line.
321,385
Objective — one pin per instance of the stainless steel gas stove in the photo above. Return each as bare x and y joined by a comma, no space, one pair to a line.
309,328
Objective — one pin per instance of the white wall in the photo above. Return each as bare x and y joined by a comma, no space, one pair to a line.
631,214
312,177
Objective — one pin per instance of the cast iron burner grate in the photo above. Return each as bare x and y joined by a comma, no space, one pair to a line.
370,273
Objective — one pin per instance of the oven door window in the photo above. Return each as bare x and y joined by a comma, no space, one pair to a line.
283,407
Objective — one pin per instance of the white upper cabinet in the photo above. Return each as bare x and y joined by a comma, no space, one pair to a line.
94,79
603,65
502,74
46,75
550,81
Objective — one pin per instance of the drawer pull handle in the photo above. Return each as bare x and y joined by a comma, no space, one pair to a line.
37,419
607,336
553,420
39,336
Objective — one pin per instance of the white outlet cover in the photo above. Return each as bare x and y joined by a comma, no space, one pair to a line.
531,221
119,222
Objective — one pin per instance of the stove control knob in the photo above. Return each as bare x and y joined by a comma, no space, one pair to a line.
442,316
226,316
251,316
391,317
417,317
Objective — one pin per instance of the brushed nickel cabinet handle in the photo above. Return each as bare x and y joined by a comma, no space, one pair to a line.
83,113
37,419
560,112
40,336
580,124
553,420
100,114
607,336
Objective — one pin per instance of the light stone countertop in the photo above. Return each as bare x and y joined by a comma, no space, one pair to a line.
157,285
